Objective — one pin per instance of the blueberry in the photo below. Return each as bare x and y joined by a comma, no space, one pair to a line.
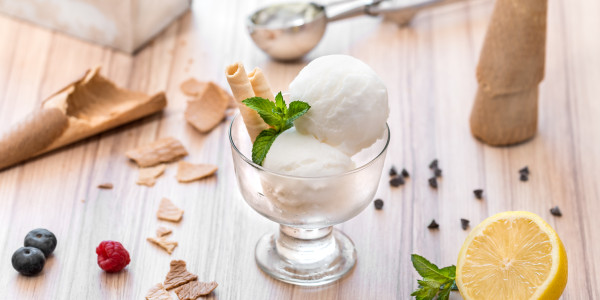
28,260
42,239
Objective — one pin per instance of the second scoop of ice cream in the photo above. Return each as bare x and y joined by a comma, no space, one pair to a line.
349,102
293,153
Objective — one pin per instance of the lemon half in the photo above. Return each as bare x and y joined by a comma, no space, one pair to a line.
512,255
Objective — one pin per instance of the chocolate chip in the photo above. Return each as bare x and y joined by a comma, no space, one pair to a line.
106,186
393,171
524,177
524,170
433,164
405,173
397,181
464,223
433,225
478,193
433,182
555,211
378,204
437,172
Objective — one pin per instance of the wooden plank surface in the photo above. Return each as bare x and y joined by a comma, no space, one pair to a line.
429,71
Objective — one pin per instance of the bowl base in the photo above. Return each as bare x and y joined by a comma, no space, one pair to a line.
304,261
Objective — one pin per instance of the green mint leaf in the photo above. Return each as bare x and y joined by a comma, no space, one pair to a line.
425,293
262,144
445,292
436,283
454,287
450,271
280,117
295,111
430,284
266,110
280,103
426,268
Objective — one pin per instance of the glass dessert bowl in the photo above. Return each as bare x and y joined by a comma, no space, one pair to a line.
307,250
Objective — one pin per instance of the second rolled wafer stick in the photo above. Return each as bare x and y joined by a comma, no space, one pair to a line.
260,85
242,89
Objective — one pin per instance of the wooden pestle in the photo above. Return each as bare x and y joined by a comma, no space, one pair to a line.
511,66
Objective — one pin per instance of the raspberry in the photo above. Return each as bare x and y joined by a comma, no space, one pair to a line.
112,256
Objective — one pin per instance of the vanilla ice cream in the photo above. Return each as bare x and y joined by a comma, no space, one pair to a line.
349,102
349,110
293,153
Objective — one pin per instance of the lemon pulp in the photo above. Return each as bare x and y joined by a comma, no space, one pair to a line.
513,255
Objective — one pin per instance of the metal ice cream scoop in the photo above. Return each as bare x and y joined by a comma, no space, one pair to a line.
288,31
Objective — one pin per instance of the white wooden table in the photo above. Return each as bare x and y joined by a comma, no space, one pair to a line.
429,70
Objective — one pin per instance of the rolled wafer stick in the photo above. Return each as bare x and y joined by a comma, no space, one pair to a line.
260,85
83,108
511,66
242,89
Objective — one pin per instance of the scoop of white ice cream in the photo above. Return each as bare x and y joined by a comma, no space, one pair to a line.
349,102
298,154
314,199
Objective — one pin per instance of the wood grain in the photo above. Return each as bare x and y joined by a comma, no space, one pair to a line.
429,69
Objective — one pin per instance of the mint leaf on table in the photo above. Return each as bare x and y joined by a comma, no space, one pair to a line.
278,116
436,283
449,271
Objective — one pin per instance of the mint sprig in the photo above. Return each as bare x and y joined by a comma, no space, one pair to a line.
436,283
278,116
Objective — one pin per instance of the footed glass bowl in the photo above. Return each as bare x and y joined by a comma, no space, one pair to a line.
306,250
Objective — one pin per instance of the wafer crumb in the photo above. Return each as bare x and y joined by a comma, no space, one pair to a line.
163,150
158,292
192,87
162,231
194,289
187,172
148,176
168,211
162,242
178,275
207,109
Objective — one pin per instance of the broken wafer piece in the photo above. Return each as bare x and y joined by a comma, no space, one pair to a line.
163,150
158,292
194,289
149,175
187,172
178,275
86,107
208,107
192,87
162,231
168,211
162,242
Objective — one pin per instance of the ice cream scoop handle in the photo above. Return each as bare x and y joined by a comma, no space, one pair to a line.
405,12
350,9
